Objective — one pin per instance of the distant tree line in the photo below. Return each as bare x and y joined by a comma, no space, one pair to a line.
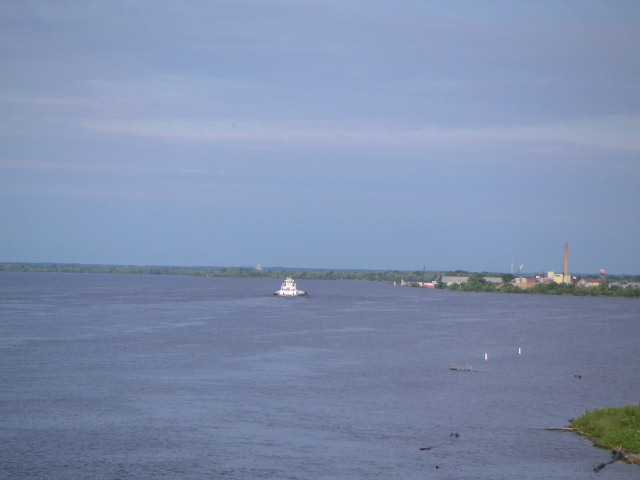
236,272
103,269
476,281
603,290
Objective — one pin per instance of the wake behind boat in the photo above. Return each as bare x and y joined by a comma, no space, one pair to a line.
289,289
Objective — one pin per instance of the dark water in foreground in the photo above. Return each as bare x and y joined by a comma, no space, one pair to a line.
132,377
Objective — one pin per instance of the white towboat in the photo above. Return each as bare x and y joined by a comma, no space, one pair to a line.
289,289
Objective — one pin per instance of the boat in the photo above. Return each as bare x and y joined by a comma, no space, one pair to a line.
289,289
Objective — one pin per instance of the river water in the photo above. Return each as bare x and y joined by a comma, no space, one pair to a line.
171,377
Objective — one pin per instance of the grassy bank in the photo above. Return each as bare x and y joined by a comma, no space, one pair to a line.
612,427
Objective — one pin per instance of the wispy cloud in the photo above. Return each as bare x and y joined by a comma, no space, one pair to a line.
194,171
23,98
66,166
612,131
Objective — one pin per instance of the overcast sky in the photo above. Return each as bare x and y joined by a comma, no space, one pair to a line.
396,134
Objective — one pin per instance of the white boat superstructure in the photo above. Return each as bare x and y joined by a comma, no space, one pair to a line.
289,289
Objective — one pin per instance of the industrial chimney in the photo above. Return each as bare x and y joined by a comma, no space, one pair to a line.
567,277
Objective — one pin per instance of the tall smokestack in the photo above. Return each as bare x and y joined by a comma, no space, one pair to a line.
566,262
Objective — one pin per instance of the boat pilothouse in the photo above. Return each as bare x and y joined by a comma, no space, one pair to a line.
289,289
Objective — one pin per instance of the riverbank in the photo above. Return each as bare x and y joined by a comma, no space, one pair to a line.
469,282
617,429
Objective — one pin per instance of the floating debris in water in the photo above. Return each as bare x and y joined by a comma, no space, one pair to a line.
454,368
616,454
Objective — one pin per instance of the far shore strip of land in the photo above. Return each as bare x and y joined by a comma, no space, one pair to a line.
617,286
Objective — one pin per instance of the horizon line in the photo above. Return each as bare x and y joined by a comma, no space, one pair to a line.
283,268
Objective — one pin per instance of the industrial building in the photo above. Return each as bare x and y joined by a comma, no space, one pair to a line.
561,278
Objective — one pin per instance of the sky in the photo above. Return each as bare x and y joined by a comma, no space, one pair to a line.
384,135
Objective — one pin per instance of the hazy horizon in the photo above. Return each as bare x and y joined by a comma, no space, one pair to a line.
294,268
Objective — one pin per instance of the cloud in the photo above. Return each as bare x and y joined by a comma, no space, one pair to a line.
611,131
37,100
194,171
64,166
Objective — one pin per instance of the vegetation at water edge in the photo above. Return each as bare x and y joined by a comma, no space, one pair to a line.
613,427
476,282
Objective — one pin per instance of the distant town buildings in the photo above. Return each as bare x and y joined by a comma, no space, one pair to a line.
480,282
561,278
523,282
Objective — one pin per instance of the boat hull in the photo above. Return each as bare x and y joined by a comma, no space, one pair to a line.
297,293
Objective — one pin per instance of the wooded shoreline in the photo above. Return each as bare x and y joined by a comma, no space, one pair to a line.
475,280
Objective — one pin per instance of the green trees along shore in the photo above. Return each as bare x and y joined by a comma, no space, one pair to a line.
475,282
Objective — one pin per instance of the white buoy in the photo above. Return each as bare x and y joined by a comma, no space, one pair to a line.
486,356
519,350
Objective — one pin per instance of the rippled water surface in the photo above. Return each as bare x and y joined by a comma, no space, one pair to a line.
169,377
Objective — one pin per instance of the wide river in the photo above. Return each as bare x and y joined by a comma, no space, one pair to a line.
113,377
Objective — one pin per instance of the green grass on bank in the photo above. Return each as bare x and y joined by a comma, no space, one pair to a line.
613,427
